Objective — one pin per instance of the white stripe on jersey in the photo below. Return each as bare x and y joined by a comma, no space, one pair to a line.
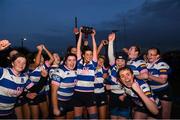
34,78
65,85
9,92
64,94
117,89
85,83
99,90
4,106
154,87
14,79
99,80
85,72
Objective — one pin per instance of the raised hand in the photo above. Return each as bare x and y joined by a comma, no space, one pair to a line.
93,32
104,42
4,44
112,37
40,47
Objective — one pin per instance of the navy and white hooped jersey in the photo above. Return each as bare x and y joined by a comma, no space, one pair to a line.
156,69
137,65
147,91
99,80
11,87
85,76
35,76
116,86
66,80
51,70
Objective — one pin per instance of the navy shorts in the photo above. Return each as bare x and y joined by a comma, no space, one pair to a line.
143,109
38,99
86,99
21,101
65,106
101,99
165,94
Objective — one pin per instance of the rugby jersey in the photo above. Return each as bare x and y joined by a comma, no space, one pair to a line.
50,71
65,79
35,76
137,65
156,69
11,87
99,80
147,91
85,76
116,86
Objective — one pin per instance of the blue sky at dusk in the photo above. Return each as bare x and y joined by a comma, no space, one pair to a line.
143,22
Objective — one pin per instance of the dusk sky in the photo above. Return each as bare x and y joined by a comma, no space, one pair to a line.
146,23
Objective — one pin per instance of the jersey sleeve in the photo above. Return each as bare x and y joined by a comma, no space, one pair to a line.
141,66
163,68
56,77
146,89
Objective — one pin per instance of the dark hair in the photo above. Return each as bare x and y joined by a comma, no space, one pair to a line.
157,50
66,57
14,57
69,49
86,49
124,68
102,57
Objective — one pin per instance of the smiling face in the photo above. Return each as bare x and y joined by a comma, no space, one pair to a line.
70,62
88,55
19,64
133,52
56,57
126,77
100,62
152,55
74,50
120,63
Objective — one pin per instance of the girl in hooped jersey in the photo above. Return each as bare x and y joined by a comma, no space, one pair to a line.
146,104
12,83
62,88
118,109
137,65
84,89
40,103
158,80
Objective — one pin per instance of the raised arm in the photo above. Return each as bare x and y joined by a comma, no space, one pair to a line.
111,57
49,54
37,58
103,43
94,45
79,45
4,44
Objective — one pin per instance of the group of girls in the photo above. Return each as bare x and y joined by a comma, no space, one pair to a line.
81,86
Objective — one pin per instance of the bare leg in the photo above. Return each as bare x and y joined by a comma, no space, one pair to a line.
102,112
166,109
44,109
34,111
